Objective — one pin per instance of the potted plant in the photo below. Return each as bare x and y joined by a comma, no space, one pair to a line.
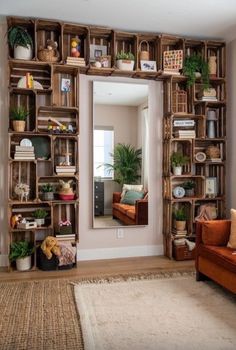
40,215
180,218
125,61
18,116
21,42
47,192
126,165
21,252
195,66
177,161
189,187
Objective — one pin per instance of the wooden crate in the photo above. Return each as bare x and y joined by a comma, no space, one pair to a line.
48,30
70,31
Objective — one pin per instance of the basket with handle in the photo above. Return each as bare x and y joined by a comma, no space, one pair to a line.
144,54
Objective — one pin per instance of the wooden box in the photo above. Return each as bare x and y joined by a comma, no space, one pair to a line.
183,253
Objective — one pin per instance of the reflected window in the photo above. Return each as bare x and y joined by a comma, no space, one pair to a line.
103,147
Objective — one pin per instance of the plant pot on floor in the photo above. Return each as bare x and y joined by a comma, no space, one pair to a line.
125,64
18,125
23,264
23,53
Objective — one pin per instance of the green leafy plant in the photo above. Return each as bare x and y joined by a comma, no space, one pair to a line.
40,214
18,113
126,165
178,159
193,64
18,36
47,188
20,250
189,185
180,214
125,56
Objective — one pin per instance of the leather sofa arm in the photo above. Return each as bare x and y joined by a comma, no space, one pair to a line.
116,197
141,210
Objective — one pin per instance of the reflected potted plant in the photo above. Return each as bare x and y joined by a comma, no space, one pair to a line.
125,61
189,187
21,252
40,215
180,217
18,116
177,161
21,42
47,192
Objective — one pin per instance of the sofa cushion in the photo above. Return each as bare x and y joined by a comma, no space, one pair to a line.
131,213
220,255
232,237
130,197
215,232
122,207
126,187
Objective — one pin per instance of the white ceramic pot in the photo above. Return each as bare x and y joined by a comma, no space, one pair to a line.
40,222
23,264
177,170
125,64
23,53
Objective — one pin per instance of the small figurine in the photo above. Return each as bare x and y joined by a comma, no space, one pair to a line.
70,128
22,191
75,47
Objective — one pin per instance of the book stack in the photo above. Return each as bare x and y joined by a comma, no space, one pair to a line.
215,160
179,242
179,234
65,169
185,134
66,237
24,153
209,98
75,61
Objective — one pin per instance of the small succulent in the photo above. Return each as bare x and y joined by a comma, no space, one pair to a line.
47,188
125,56
40,214
18,113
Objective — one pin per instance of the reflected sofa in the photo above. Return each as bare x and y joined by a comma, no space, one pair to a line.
130,214
213,258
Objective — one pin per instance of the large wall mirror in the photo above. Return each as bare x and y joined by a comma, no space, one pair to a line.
120,154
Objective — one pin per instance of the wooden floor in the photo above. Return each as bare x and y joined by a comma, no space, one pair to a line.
99,268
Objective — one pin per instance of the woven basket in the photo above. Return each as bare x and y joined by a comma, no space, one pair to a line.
213,152
47,55
144,54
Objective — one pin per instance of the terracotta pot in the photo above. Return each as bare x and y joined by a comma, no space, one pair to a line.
19,125
180,225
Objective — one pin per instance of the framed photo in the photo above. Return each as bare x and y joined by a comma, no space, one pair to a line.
148,66
211,187
65,85
97,51
105,61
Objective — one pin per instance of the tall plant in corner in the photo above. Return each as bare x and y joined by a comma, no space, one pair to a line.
127,162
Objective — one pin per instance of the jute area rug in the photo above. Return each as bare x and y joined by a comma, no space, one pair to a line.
39,315
157,314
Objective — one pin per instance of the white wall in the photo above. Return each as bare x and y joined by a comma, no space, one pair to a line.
137,241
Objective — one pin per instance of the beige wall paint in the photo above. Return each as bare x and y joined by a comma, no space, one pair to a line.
151,235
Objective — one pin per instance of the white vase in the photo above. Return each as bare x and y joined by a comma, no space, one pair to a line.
23,264
23,53
177,170
40,222
125,64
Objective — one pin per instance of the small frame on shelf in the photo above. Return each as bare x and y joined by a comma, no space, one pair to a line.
148,66
211,187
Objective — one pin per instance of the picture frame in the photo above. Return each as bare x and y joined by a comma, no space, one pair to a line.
65,85
148,66
97,51
211,187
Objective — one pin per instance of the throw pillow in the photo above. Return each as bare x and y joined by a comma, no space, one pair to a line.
126,187
232,237
215,232
130,197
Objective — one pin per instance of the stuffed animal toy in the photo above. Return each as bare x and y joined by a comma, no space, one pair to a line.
66,191
15,219
52,45
50,246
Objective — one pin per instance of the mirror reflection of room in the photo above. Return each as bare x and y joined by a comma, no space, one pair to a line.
120,154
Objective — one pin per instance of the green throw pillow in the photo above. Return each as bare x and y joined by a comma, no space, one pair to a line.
130,197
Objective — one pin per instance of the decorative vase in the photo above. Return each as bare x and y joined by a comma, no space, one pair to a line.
180,225
177,170
212,66
125,64
23,53
18,125
23,264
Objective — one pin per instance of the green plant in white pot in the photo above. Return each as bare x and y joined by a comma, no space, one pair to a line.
47,192
21,42
125,61
177,161
21,252
40,215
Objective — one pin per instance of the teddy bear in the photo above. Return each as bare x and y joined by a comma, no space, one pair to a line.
52,45
50,246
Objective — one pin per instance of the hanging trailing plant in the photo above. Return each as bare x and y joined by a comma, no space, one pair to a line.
196,64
